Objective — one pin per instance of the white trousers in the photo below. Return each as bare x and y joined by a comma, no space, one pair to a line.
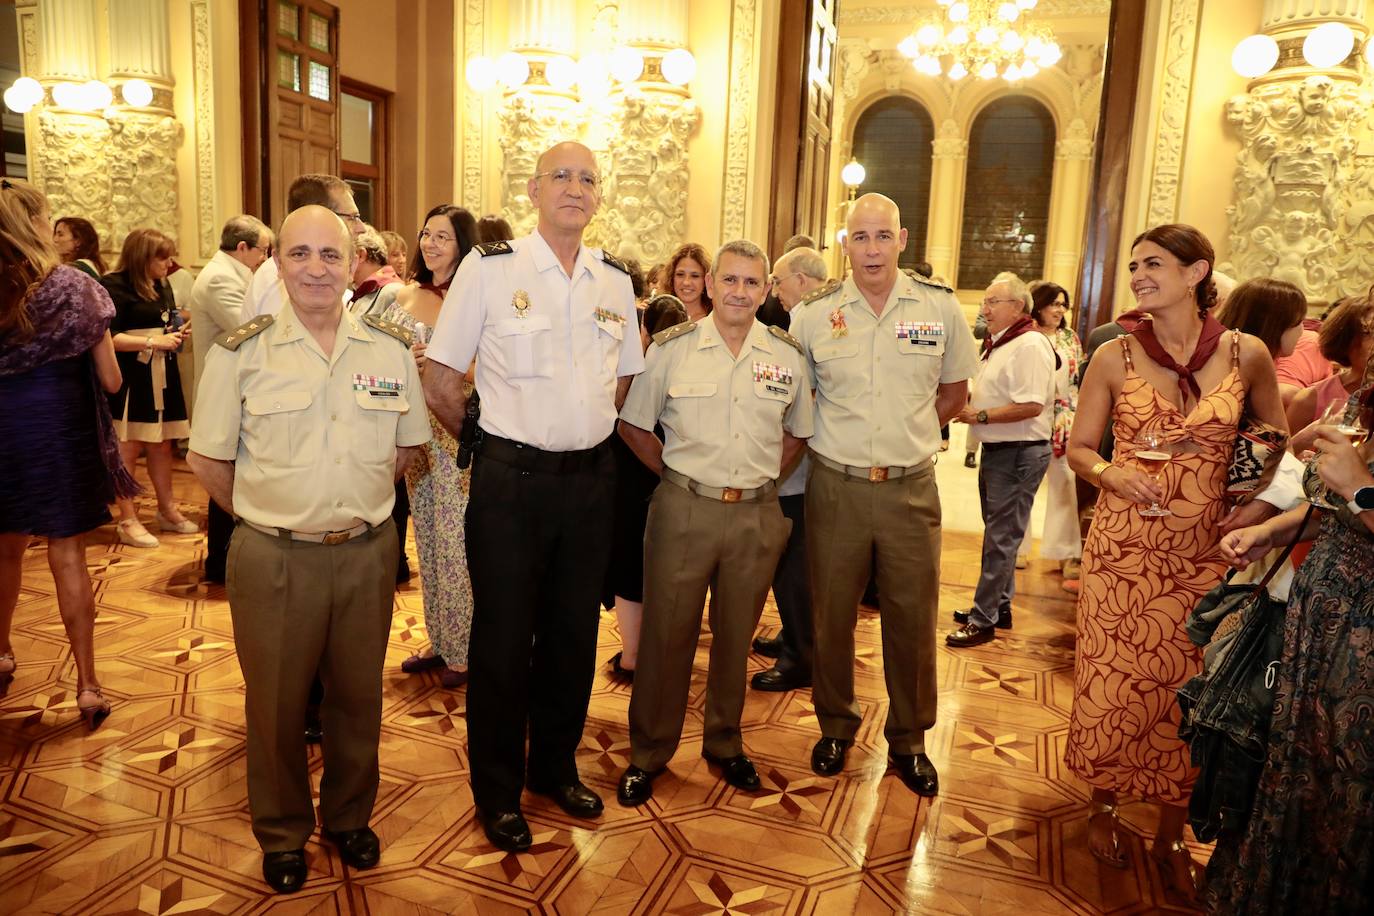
1061,539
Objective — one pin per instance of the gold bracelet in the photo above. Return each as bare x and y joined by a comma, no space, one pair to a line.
1098,470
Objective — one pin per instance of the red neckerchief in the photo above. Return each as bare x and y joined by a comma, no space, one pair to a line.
1023,325
1206,345
1128,320
441,290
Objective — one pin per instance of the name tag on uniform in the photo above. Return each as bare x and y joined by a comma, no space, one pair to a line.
378,386
771,372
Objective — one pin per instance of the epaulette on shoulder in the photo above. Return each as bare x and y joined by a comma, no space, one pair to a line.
676,331
785,337
820,292
389,328
926,281
231,340
615,262
490,248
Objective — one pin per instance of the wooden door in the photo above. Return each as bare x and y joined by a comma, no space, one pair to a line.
291,103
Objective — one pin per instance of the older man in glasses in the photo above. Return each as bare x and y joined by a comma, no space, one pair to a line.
552,325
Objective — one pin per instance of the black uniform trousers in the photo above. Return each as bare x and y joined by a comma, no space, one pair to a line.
792,592
538,544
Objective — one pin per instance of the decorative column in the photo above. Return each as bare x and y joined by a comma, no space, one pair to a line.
948,169
1304,201
647,128
143,141
1073,166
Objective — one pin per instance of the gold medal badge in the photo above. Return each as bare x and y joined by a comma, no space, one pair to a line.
521,303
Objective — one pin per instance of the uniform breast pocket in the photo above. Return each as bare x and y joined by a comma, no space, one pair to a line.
690,402
778,392
379,414
526,345
921,346
610,335
278,433
838,373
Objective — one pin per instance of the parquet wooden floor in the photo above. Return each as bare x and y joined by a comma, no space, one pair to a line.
148,815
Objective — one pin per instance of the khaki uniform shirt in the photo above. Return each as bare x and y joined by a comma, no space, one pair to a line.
313,438
876,378
723,416
549,346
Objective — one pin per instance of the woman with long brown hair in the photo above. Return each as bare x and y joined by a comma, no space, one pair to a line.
1174,390
78,244
149,409
60,461
685,277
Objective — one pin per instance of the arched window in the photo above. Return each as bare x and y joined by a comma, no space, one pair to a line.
892,140
1007,192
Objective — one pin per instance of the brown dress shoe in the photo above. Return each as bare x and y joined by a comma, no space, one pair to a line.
970,634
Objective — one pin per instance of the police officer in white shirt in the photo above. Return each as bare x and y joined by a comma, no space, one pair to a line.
1013,407
552,326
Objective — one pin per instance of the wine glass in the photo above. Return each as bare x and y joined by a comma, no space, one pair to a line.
1153,456
1345,417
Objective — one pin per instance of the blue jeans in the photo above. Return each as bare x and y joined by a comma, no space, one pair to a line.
1008,477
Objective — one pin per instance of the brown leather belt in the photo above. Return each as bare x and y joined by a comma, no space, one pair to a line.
328,538
873,475
724,494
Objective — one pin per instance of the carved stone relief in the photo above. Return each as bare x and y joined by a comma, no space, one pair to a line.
529,125
1302,210
1180,40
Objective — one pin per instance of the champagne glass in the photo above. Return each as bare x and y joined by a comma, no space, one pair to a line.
1345,417
1153,456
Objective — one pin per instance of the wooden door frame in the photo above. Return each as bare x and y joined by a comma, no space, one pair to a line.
384,215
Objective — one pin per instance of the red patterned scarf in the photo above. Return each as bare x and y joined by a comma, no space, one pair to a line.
1023,325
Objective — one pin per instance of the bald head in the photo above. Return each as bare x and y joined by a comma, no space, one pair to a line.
561,151
872,207
314,255
566,189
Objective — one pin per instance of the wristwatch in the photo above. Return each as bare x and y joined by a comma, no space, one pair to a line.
1362,501
982,416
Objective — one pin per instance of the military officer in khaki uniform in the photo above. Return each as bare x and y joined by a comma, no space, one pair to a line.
303,423
732,398
889,357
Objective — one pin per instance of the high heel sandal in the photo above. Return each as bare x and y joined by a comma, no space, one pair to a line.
94,712
1178,870
7,666
1117,856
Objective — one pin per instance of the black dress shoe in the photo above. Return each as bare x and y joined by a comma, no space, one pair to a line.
827,757
768,646
969,635
506,829
573,797
777,680
918,773
284,871
1003,619
624,674
359,848
636,786
403,570
970,460
738,770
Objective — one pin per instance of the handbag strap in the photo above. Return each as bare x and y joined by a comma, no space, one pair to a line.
1283,557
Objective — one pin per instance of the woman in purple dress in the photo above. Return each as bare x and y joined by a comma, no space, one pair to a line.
60,462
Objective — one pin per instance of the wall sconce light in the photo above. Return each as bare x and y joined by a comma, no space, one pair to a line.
137,93
853,175
1326,46
592,74
679,66
1255,56
25,93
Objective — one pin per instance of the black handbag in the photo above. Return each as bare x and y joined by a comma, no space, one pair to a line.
1227,708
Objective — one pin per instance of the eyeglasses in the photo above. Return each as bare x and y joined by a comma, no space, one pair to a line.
439,238
348,217
994,301
588,180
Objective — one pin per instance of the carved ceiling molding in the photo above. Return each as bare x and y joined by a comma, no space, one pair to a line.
202,51
1180,44
739,119
904,13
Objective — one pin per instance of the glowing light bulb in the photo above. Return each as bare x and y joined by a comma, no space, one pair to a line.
627,64
986,35
67,95
28,90
958,71
1028,69
96,96
1008,12
987,71
1026,4
1255,56
929,34
1328,44
1012,73
1011,42
15,101
137,93
481,73
679,66
909,46
958,36
853,174
958,11
512,70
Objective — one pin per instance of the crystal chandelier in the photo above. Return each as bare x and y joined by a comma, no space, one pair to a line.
982,37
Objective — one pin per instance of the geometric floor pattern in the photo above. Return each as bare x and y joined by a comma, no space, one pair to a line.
149,815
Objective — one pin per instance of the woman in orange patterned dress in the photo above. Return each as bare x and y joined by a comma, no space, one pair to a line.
1185,378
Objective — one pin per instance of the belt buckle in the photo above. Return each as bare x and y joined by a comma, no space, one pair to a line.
335,537
877,475
730,495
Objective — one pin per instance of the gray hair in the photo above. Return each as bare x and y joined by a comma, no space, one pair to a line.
1016,286
370,246
741,248
243,228
807,261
